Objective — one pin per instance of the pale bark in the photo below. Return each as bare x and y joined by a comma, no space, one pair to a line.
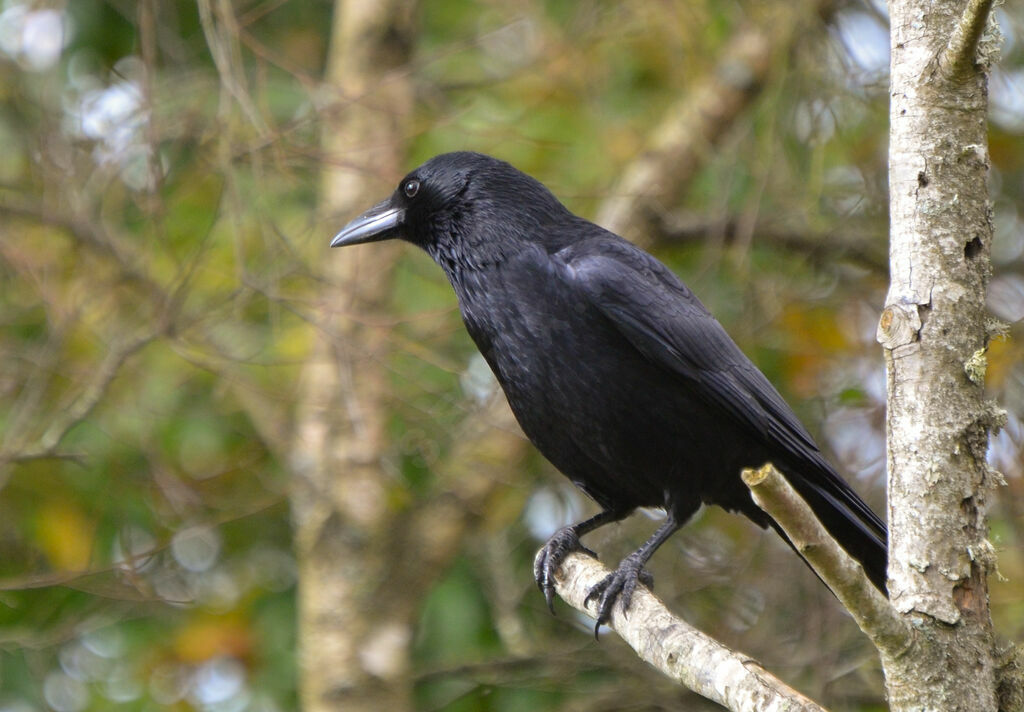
933,330
353,652
679,650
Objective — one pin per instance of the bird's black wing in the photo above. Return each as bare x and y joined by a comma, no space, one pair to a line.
663,320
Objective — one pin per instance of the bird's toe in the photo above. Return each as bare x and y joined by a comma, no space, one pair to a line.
550,558
618,586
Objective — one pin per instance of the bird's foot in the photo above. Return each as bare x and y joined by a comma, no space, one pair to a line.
550,557
619,585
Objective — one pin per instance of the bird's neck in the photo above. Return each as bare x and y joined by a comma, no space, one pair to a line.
463,257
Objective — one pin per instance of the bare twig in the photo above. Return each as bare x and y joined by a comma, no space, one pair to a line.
221,30
960,54
679,650
87,232
79,409
855,244
840,572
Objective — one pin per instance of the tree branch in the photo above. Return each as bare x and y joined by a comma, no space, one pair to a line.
856,243
679,145
840,572
80,408
679,650
959,56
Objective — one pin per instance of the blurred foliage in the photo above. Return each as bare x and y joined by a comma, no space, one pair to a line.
160,256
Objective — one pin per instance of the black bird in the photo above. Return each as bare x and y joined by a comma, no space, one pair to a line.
613,368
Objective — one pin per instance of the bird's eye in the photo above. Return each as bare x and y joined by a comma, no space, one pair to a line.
411,188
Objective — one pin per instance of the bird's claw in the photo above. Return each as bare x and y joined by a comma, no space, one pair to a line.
619,585
550,558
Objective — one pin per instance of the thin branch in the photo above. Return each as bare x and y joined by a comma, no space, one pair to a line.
959,57
681,143
220,27
87,233
679,650
83,405
840,572
857,244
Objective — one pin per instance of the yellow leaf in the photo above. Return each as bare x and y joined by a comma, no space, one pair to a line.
210,636
65,535
1002,357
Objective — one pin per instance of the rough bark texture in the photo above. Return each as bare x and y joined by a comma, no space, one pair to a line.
679,650
933,330
354,645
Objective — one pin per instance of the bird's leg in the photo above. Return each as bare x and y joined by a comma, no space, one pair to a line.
620,584
561,543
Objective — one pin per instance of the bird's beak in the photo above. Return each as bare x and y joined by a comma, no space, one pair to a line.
381,222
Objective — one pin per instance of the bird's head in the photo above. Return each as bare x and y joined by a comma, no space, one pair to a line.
465,209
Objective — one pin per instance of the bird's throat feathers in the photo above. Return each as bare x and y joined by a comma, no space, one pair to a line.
472,240
461,248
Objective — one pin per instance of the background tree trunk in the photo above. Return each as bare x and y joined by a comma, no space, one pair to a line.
354,645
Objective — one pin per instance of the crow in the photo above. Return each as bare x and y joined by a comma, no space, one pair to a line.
615,371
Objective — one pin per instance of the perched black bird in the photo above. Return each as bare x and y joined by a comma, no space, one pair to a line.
613,368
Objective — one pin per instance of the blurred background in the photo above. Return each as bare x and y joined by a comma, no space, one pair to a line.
242,472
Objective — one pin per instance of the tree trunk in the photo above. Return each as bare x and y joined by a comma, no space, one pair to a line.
354,648
933,329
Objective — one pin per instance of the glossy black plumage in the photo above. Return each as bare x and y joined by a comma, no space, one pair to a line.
613,368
